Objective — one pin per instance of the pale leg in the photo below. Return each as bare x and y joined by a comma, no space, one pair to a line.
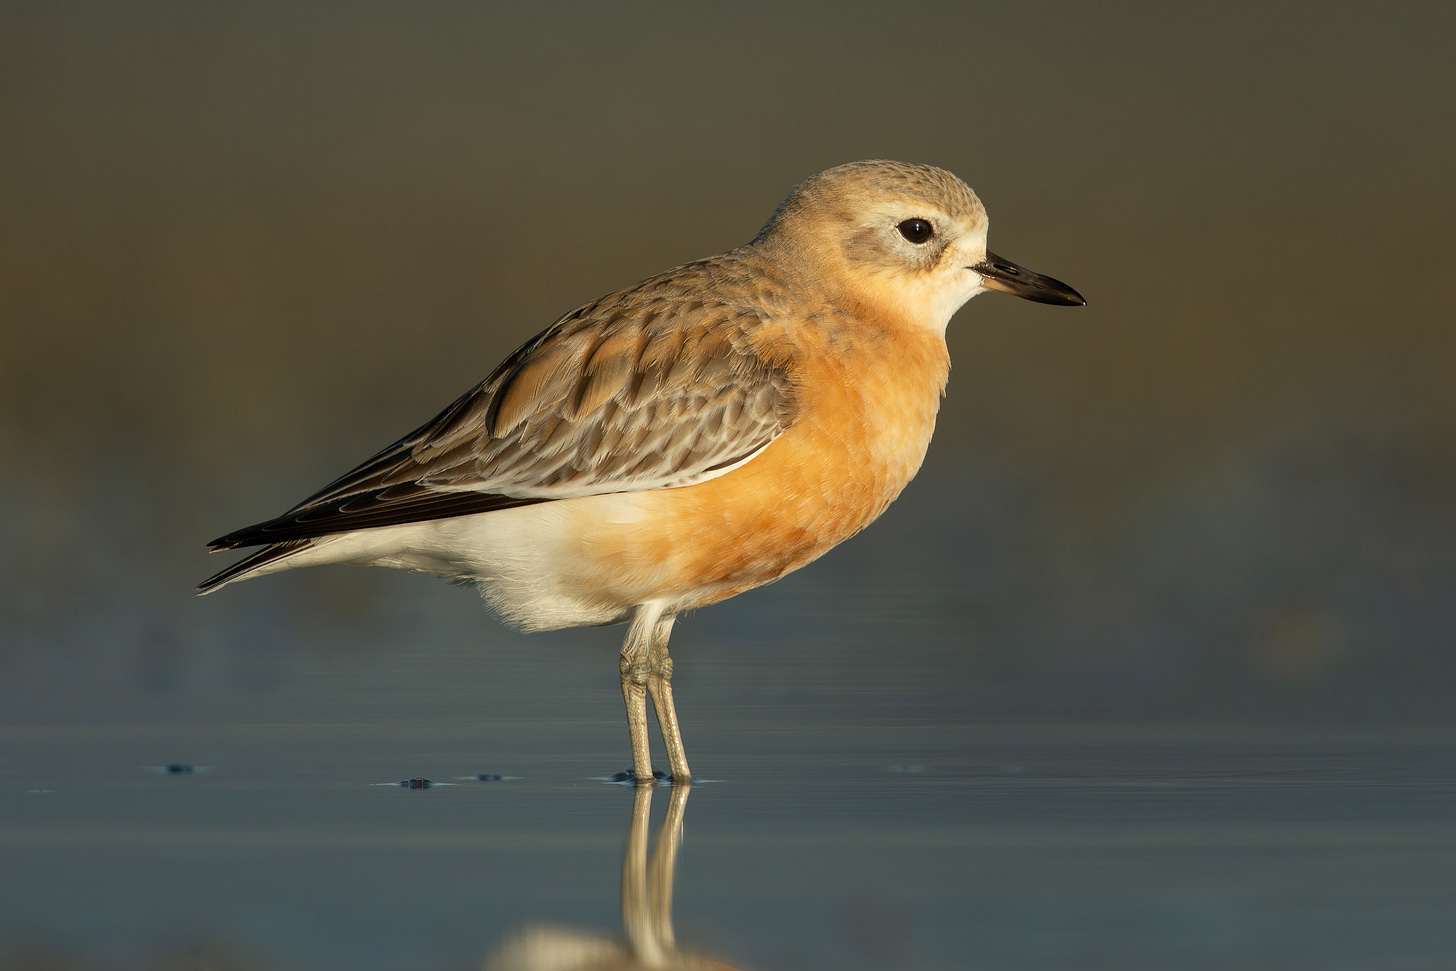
659,685
635,665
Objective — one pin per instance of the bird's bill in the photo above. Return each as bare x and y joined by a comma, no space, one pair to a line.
1006,276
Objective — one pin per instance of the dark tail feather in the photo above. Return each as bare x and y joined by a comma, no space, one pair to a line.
246,565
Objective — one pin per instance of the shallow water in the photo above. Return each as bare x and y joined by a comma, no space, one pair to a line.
877,792
818,844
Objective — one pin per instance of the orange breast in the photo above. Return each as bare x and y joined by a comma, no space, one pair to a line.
867,411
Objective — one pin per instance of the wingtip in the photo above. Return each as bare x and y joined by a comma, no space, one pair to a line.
207,586
222,543
219,579
246,567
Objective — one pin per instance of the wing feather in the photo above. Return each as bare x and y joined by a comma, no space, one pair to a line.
628,393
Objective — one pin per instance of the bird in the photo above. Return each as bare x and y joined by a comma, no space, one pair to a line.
667,446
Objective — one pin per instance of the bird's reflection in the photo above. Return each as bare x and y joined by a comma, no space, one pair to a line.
646,910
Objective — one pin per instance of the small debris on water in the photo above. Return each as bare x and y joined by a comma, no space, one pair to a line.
414,784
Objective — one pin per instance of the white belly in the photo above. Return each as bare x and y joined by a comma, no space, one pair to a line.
535,565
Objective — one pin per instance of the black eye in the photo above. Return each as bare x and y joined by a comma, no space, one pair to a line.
916,230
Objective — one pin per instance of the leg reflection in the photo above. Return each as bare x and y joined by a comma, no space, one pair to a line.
647,885
647,889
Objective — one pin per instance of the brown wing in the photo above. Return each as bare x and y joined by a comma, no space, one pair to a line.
650,388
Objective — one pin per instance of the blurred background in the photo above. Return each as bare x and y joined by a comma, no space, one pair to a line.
243,247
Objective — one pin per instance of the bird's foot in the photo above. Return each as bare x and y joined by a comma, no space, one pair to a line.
628,776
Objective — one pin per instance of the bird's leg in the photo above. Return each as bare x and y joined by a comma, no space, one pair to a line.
659,684
635,666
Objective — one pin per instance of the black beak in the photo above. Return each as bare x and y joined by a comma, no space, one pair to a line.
1003,275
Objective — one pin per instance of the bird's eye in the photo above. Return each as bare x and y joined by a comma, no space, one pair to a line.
916,231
